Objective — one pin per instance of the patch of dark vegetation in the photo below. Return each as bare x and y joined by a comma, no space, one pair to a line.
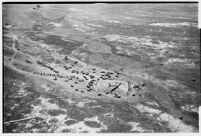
123,107
7,51
16,105
57,40
54,120
184,76
90,104
85,131
8,41
104,108
154,126
190,118
10,128
194,115
70,122
125,116
43,111
62,103
39,27
134,56
66,130
56,112
79,113
92,124
67,46
31,89
98,110
124,112
114,126
36,101
10,87
106,105
17,44
43,130
51,101
54,97
42,127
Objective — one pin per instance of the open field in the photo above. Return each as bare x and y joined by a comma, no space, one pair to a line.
78,68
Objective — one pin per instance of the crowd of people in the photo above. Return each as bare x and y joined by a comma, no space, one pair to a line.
90,79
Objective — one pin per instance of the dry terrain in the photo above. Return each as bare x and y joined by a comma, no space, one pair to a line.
100,68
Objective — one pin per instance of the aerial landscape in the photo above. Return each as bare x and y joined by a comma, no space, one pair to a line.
101,68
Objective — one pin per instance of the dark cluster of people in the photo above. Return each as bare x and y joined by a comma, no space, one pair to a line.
90,86
139,86
28,61
91,79
57,76
75,71
67,68
47,74
109,75
52,69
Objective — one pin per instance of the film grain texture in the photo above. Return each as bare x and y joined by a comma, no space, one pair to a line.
102,68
